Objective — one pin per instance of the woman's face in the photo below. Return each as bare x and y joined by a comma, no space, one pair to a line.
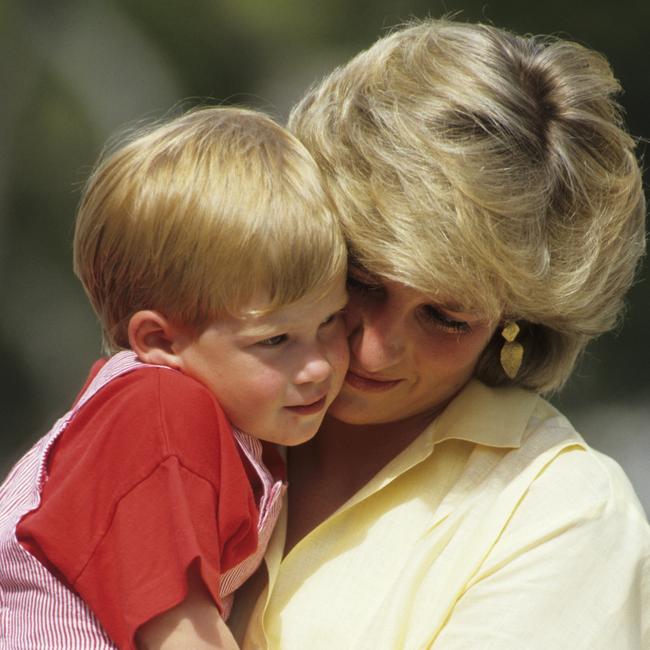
409,355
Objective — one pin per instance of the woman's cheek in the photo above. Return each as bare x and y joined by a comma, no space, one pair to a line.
342,347
458,352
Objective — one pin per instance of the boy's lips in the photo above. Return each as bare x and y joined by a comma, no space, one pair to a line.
309,409
368,384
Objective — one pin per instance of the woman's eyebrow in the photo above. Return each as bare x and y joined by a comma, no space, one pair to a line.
359,268
452,305
449,304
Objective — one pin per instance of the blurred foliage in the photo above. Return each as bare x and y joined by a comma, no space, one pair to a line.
74,71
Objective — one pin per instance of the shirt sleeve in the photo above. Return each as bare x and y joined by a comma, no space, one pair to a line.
138,569
146,481
569,571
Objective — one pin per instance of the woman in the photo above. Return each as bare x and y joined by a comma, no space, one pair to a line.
495,215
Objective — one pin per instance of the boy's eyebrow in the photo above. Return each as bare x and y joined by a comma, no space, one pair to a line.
268,324
250,329
254,330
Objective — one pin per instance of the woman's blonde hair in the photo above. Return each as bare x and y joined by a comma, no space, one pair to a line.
475,164
195,217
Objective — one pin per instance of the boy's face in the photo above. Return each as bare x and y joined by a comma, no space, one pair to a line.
275,375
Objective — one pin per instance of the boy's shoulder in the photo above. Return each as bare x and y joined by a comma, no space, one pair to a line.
134,423
159,387
153,411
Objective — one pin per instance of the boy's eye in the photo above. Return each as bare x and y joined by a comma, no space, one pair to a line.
436,317
273,340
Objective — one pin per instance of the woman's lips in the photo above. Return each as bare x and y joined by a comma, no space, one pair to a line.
308,409
370,385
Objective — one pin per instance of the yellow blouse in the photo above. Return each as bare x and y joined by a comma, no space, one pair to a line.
497,528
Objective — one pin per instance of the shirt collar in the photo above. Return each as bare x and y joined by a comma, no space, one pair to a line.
495,417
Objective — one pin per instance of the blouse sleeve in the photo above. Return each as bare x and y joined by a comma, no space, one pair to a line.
570,570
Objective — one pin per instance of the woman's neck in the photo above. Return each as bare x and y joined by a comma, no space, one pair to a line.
362,448
329,469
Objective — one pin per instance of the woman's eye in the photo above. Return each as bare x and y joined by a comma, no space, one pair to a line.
434,316
273,340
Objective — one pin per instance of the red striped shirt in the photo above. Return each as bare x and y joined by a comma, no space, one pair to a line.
39,611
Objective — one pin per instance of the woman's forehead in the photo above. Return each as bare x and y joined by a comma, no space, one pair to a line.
443,299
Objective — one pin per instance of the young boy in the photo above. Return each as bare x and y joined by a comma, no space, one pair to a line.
216,268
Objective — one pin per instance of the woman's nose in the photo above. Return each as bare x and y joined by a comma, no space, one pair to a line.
376,340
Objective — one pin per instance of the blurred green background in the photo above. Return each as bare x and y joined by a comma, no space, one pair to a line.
74,71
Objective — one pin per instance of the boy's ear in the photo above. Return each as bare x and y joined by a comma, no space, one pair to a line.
155,339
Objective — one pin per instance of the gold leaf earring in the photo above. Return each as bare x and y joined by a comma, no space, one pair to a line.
512,352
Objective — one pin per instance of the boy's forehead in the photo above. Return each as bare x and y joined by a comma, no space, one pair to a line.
257,317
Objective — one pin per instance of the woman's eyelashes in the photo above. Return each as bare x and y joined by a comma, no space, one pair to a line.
434,316
430,314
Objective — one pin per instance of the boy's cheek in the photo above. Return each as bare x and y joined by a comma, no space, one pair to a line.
266,387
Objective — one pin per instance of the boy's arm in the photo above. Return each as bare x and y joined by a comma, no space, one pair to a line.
195,623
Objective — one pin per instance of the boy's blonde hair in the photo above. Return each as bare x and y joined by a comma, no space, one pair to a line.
492,169
195,217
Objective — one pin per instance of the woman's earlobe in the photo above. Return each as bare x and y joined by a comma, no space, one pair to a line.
154,338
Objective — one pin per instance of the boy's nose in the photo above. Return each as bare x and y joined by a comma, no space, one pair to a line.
315,369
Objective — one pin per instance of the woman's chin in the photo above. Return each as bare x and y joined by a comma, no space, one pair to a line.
346,410
355,409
